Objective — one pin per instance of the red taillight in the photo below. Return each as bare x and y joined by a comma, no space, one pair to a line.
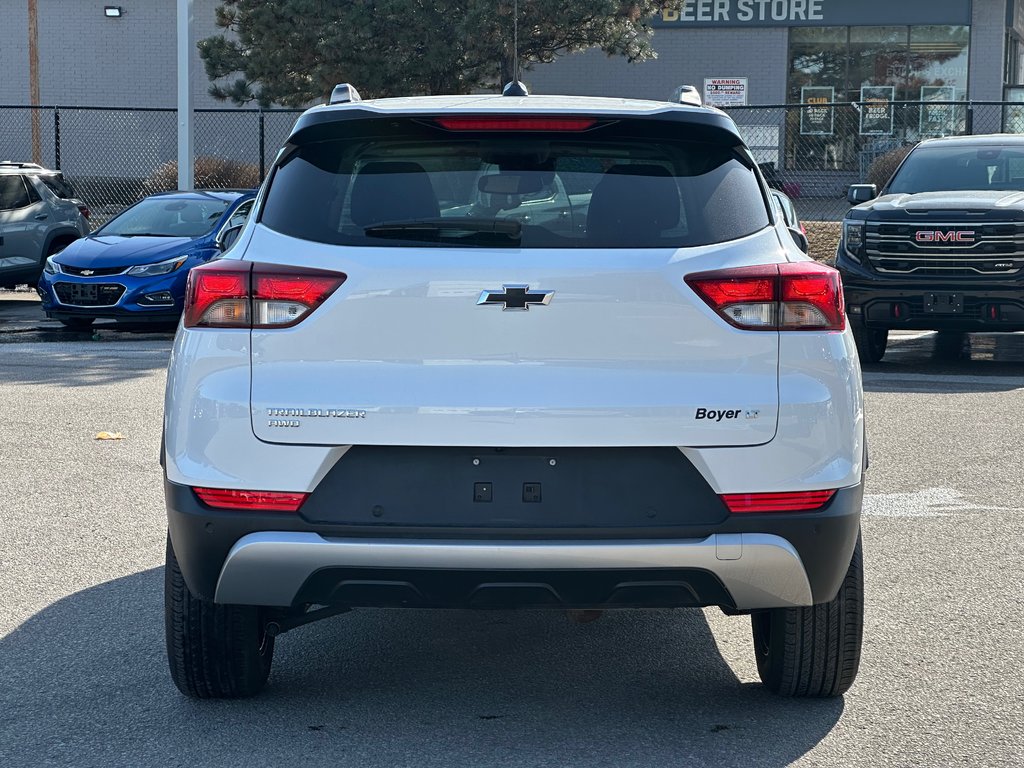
801,296
257,501
798,501
505,123
84,210
281,297
241,294
217,295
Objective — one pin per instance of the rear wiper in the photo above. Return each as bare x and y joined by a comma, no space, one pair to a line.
511,229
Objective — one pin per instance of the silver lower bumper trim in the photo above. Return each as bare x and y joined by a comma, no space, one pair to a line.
759,570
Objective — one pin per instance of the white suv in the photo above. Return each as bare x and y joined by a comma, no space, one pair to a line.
404,387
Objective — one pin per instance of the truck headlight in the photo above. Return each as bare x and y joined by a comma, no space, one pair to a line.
853,239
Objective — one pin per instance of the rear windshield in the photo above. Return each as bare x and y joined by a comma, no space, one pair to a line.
591,190
58,185
960,169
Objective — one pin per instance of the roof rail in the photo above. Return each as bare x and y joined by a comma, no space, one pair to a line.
687,94
344,93
13,164
515,88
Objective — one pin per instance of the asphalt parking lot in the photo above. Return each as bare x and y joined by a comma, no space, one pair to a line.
84,678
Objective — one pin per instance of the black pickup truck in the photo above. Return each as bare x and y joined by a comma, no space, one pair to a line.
942,247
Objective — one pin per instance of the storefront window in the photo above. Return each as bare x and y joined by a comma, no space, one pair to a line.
818,58
874,71
938,57
878,57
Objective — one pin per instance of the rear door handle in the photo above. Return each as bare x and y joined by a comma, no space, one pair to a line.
42,216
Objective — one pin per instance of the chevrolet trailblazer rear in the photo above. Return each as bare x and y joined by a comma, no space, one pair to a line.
513,352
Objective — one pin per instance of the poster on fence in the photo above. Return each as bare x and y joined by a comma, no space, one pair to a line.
937,110
816,118
725,91
876,110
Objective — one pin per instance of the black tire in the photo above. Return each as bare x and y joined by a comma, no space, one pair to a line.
814,651
78,323
215,651
871,342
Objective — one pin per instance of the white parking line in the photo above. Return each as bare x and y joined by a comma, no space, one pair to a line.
908,335
931,381
928,502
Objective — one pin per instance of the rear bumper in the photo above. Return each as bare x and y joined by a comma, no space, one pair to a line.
274,568
886,302
744,562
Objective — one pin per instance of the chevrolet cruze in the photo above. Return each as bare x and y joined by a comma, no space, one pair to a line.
134,267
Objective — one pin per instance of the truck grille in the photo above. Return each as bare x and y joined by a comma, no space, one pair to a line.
986,249
88,294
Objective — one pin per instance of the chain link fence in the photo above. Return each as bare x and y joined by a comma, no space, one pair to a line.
113,157
813,152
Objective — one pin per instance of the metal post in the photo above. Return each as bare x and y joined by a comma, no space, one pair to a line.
186,157
969,121
263,146
56,138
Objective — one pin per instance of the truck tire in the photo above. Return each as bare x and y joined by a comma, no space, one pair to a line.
215,651
813,651
871,342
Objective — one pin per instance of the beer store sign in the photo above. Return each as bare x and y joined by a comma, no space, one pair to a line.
813,13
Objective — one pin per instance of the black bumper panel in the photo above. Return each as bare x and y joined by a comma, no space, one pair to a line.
883,302
632,488
394,588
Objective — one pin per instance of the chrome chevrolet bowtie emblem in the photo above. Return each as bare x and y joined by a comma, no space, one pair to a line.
515,297
86,273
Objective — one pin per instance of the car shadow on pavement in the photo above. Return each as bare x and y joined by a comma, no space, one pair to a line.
81,365
939,362
85,682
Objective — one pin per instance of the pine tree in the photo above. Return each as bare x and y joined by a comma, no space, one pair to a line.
293,52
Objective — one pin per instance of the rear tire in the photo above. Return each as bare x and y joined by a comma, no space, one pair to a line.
871,342
813,651
78,323
215,651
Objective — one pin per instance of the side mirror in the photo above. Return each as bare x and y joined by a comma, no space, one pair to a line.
227,237
800,239
861,193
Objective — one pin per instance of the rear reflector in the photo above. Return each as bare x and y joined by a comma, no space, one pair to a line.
799,501
800,296
257,501
241,294
535,123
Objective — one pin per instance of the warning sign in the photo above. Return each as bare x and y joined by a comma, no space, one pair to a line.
725,91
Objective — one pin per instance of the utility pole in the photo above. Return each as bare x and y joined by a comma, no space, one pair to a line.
186,158
33,80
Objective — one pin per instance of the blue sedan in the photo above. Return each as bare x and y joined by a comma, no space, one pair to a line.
135,266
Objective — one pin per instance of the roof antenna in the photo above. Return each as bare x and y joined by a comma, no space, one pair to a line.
516,87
